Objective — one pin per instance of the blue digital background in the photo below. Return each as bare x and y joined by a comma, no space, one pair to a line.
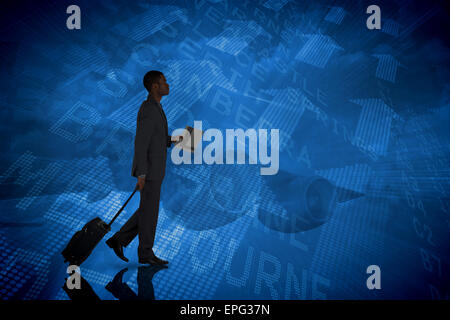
362,114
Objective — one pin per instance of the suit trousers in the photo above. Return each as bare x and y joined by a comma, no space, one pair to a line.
143,222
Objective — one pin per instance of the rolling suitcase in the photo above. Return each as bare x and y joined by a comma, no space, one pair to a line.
84,241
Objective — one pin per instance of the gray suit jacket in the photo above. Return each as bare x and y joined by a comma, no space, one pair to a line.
151,141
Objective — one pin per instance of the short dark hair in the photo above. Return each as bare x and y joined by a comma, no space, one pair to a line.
150,78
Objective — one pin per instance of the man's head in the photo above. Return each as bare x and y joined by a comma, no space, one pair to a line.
156,84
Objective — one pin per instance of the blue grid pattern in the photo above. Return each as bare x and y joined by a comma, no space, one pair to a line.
148,23
284,112
335,15
355,177
346,111
275,5
374,125
391,27
349,239
317,50
387,67
237,36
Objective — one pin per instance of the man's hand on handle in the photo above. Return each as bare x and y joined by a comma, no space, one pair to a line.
141,182
141,179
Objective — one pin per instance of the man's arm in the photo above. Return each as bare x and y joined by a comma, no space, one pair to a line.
144,132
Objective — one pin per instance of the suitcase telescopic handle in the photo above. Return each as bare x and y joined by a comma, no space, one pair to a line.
124,205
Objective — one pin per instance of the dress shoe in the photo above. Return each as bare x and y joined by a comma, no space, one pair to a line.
117,247
154,261
161,260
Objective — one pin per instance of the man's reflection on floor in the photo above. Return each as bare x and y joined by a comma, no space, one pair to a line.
85,293
122,291
118,288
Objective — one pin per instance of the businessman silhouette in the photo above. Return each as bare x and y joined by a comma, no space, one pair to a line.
149,164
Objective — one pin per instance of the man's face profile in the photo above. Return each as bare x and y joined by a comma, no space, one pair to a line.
162,86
